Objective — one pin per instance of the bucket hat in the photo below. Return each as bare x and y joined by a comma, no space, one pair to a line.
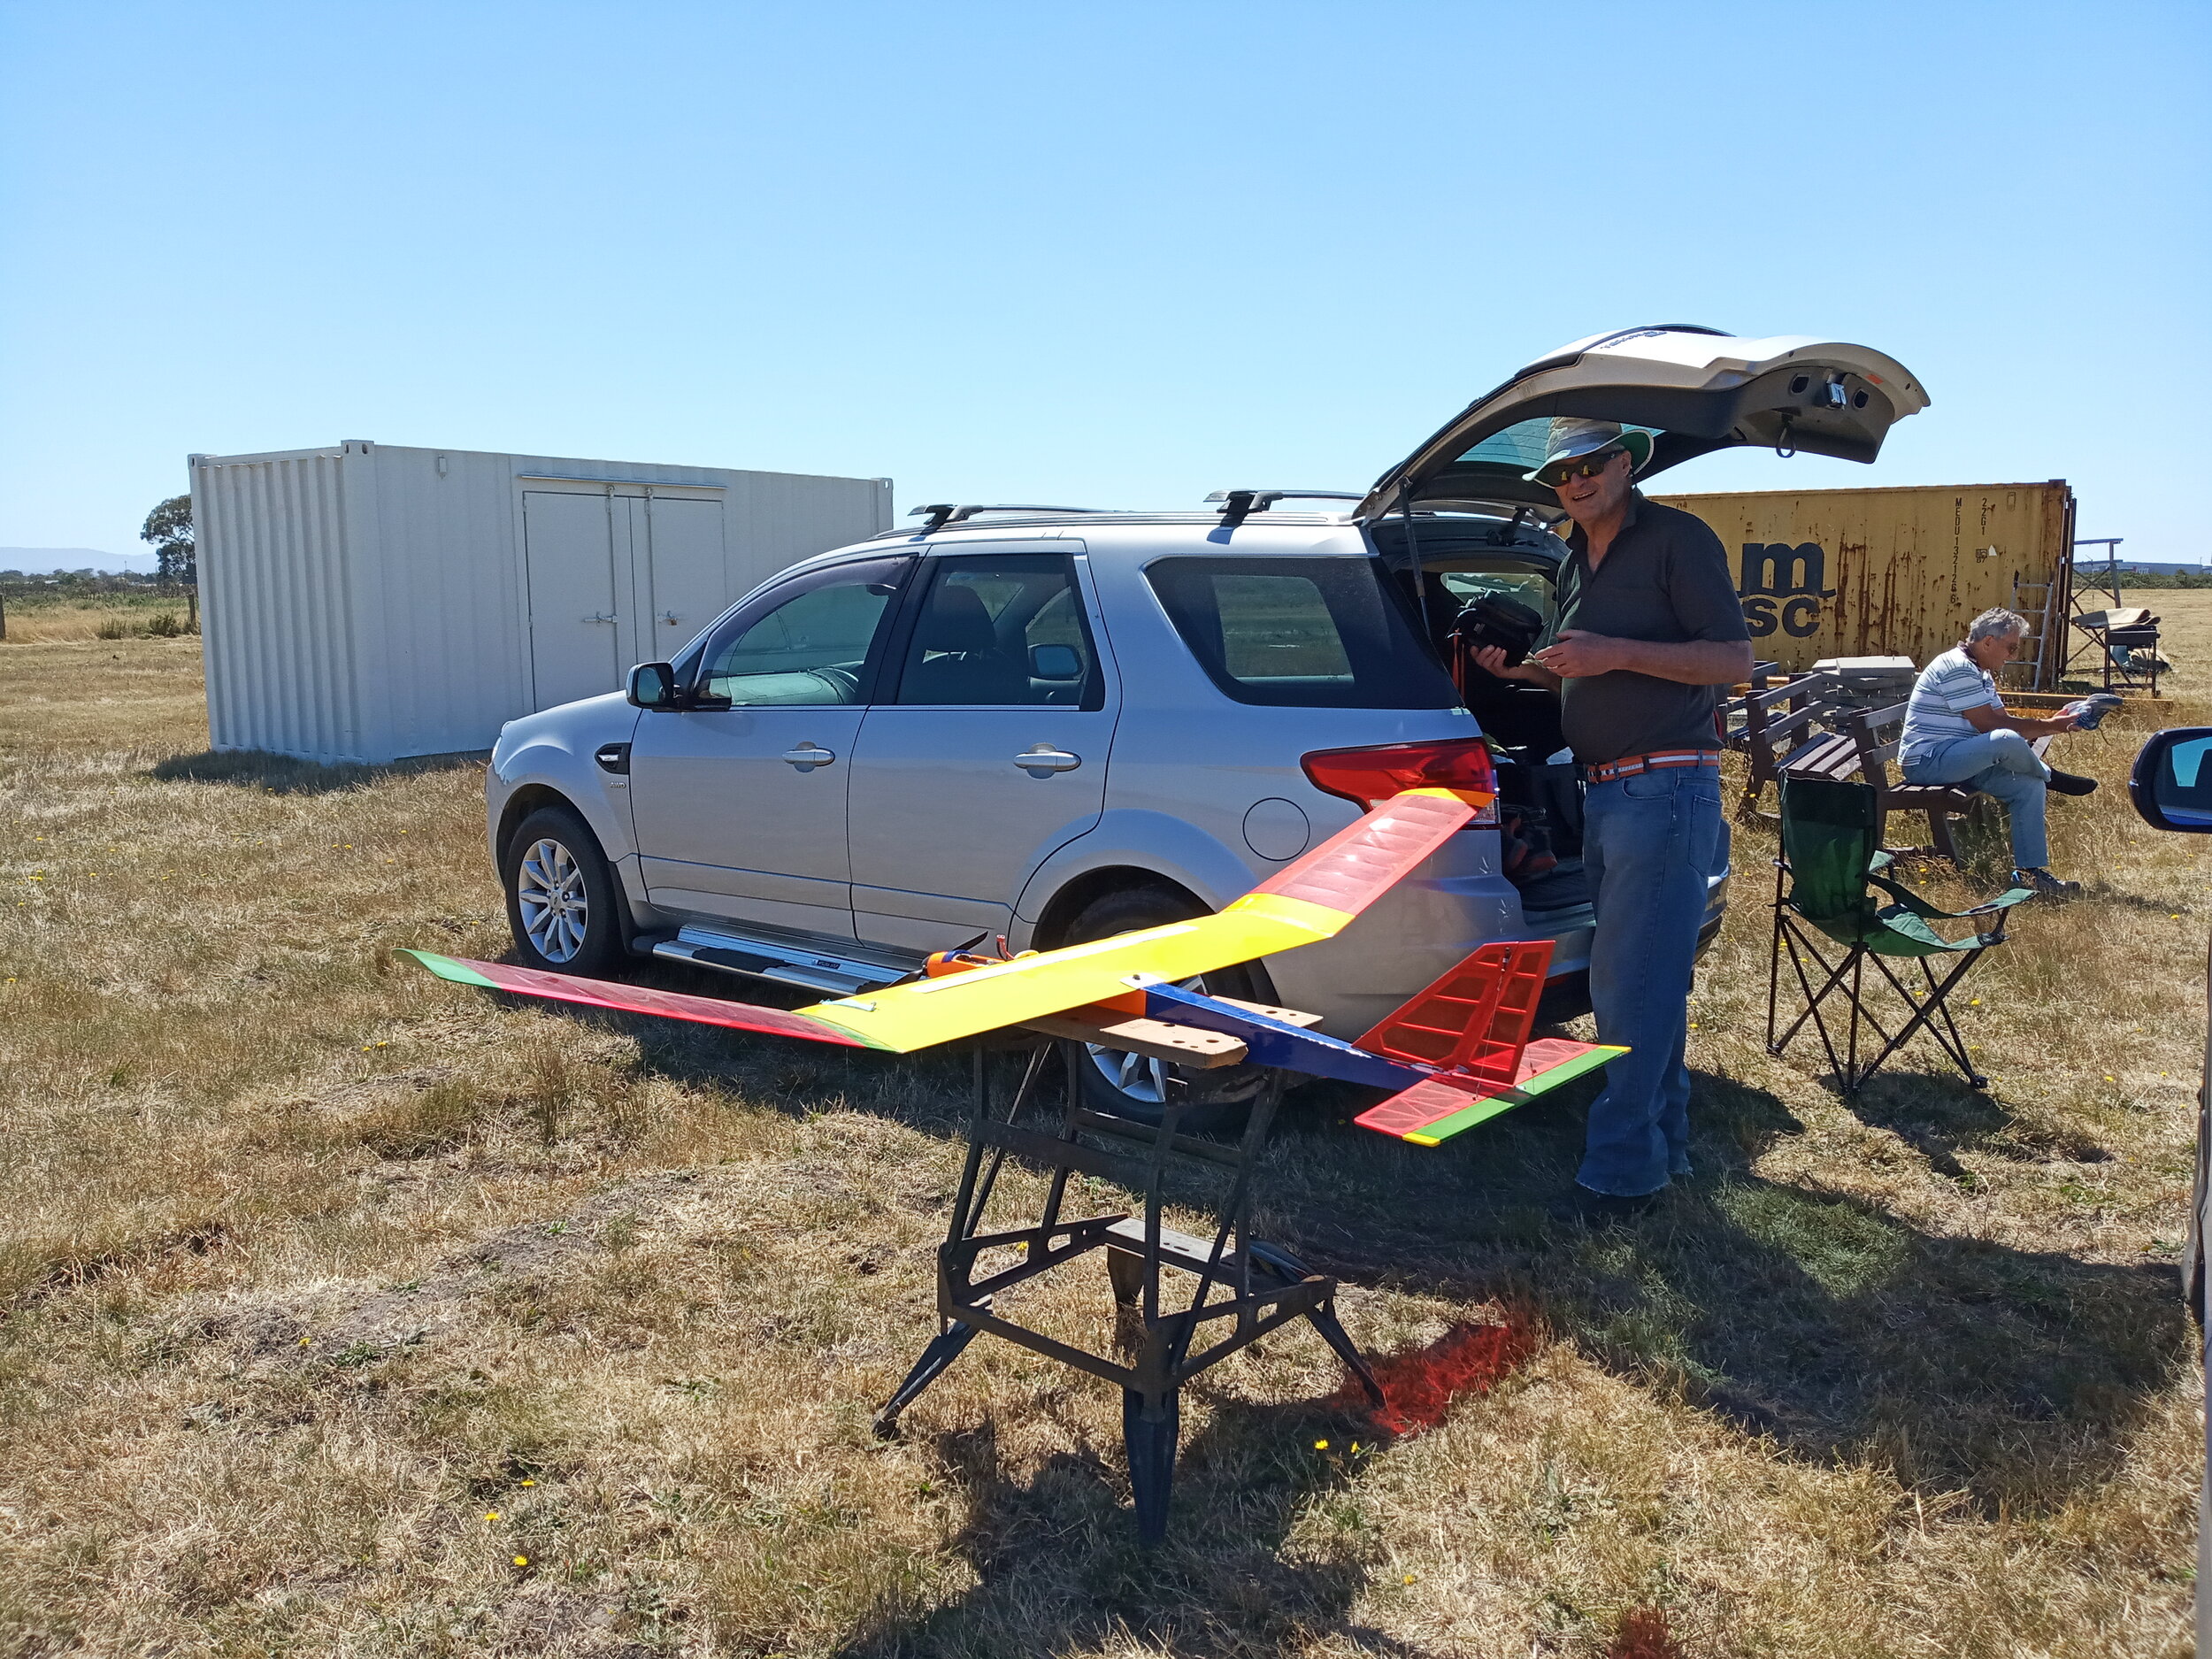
1571,436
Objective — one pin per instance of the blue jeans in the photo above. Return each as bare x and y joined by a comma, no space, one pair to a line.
1649,842
2000,764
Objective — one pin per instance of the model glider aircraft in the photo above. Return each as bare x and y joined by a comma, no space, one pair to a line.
1454,1056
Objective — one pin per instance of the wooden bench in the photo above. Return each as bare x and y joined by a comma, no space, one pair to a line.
1775,720
1859,752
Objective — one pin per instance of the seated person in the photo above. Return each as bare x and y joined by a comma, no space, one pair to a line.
1957,733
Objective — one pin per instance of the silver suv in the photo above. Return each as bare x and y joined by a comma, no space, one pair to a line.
1054,725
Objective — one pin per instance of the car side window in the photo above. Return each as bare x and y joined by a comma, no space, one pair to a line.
805,645
1002,630
1310,633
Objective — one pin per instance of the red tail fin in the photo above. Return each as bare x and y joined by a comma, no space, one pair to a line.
1475,1019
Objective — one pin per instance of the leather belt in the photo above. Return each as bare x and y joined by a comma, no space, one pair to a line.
1629,765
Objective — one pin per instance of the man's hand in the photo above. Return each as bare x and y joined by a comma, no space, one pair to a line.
1578,653
1491,660
1990,717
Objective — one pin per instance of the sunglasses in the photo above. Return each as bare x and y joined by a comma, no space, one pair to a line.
1581,466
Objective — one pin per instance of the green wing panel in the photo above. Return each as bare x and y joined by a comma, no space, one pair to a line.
636,999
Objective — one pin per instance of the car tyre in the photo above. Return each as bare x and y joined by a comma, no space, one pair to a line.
561,897
1131,1085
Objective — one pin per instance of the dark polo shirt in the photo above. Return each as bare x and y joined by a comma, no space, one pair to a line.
1664,577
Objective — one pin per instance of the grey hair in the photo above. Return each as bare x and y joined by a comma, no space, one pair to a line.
1996,623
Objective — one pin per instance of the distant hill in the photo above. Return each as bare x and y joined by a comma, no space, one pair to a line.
39,560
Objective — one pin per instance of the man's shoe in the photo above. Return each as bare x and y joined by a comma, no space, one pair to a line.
2044,882
2072,782
1581,1207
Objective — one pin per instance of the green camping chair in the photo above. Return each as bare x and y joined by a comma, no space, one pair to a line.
1830,890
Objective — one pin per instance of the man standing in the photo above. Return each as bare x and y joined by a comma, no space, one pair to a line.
1956,731
1649,627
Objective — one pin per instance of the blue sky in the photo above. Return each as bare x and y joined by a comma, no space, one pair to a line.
1115,256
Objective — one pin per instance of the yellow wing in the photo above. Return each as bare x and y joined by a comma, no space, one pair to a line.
1309,899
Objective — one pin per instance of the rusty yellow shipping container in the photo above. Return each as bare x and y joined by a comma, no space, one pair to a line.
1897,572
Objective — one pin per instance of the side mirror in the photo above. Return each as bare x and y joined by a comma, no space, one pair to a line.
653,685
1054,662
2171,785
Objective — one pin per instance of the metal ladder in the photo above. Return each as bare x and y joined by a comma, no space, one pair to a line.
2041,610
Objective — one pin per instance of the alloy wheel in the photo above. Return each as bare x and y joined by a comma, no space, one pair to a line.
550,893
1137,1076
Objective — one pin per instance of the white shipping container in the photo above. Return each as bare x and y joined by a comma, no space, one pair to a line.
366,602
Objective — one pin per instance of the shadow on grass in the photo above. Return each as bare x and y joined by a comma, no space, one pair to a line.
1059,1568
285,774
1811,1317
1939,1116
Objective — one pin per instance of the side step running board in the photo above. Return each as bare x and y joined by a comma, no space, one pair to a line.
785,963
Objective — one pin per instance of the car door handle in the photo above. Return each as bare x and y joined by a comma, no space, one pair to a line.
810,755
1040,760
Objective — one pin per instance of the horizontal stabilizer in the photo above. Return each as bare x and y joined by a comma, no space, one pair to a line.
1437,1107
633,999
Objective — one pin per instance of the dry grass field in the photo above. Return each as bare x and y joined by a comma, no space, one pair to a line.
350,1312
47,618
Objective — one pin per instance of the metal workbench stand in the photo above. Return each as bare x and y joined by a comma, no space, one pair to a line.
1265,1287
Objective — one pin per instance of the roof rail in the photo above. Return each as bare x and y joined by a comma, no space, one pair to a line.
944,512
1242,502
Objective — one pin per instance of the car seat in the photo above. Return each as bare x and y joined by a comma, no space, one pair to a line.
958,657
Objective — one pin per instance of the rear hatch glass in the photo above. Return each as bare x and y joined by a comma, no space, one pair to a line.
1301,632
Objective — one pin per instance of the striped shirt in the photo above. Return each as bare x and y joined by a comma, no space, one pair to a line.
1936,717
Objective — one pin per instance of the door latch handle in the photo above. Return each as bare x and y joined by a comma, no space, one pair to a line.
599,616
810,755
1041,760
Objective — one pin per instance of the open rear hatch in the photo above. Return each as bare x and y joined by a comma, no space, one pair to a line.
1695,389
1479,526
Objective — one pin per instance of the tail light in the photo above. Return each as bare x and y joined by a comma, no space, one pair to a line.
1371,776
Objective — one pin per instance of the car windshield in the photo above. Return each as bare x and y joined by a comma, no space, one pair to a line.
1301,632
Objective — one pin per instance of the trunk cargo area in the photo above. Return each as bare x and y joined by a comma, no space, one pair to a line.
1539,803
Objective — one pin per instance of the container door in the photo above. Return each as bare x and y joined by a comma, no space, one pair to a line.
1694,389
987,752
739,809
680,572
568,551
